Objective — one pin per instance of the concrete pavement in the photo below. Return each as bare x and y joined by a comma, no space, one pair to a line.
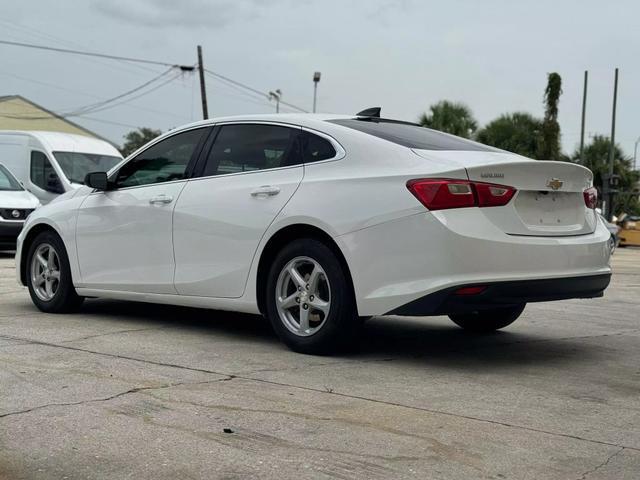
124,390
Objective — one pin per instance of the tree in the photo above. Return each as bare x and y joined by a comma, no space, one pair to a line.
450,117
550,134
596,159
137,138
517,132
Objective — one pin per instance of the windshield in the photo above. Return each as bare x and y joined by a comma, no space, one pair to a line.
8,181
76,165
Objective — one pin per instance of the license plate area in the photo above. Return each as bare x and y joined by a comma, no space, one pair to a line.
555,210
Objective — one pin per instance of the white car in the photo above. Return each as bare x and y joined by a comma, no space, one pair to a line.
16,204
317,221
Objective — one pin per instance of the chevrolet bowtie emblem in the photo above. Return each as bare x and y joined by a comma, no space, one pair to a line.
555,183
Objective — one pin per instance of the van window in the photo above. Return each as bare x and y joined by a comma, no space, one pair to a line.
43,175
76,165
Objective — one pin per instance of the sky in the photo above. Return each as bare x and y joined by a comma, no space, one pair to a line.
402,55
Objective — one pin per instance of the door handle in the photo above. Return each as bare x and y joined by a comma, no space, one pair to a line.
160,199
265,190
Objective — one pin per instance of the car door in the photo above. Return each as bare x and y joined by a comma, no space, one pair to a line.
124,234
248,175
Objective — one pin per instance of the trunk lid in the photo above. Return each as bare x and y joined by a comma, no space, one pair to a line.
549,200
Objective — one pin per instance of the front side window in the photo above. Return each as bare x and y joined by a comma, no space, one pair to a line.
43,175
76,165
7,181
247,148
165,161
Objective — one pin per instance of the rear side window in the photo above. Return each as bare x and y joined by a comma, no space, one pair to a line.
248,148
316,148
412,136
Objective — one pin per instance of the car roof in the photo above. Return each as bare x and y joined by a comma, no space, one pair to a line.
311,120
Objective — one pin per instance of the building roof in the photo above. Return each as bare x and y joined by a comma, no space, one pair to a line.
22,115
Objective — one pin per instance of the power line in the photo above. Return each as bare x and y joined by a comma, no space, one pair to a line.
90,54
250,89
150,62
100,106
85,94
93,107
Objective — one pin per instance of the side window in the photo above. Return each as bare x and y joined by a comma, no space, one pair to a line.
43,175
316,148
246,148
165,161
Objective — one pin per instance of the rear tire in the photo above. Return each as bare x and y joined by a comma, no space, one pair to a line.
49,275
484,321
309,299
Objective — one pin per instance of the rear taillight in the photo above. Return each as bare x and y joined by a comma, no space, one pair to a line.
444,193
590,197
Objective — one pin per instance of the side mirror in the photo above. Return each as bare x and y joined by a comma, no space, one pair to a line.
97,180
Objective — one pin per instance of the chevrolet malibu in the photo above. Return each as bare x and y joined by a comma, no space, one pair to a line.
319,221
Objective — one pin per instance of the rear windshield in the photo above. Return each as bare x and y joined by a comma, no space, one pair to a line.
412,136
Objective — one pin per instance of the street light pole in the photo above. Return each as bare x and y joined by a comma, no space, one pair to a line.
316,80
276,95
635,153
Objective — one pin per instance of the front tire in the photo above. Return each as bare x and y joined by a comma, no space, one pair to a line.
309,298
49,275
484,321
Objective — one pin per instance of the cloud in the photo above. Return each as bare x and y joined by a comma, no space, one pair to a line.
181,14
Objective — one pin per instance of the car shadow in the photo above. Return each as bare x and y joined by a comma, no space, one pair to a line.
425,341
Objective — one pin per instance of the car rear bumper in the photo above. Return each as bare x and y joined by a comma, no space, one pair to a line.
397,262
9,232
501,294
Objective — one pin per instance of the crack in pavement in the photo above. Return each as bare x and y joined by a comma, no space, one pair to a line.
111,397
601,465
112,333
229,376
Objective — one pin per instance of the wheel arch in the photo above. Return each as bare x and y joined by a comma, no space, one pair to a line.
28,241
281,238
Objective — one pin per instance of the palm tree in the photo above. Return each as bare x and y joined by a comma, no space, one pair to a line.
550,135
450,117
517,132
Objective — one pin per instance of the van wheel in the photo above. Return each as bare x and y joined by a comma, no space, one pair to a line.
309,300
484,321
49,275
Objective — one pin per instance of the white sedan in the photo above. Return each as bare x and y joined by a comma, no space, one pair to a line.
318,221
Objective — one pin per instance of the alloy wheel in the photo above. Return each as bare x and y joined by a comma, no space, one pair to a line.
45,272
303,296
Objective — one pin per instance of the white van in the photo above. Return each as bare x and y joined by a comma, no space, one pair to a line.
51,163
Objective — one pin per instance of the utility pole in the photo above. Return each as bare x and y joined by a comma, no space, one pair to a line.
635,154
203,89
584,112
276,95
316,80
612,146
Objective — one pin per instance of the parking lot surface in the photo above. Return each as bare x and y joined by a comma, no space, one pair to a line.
125,390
